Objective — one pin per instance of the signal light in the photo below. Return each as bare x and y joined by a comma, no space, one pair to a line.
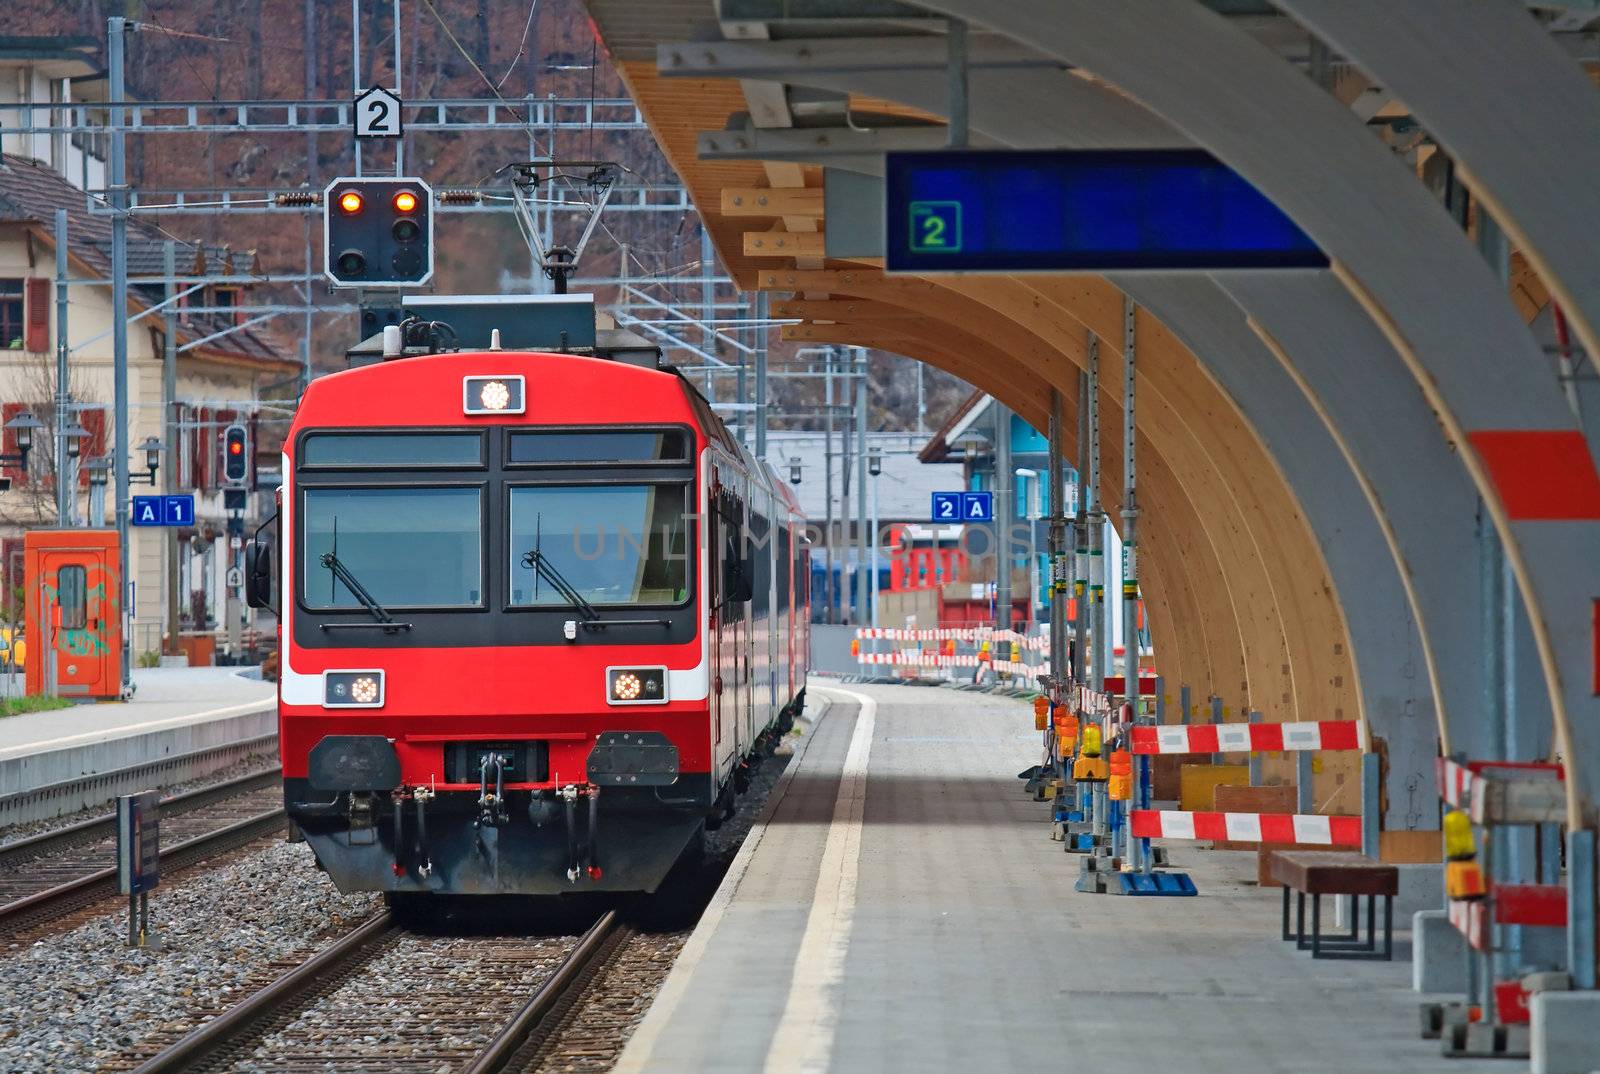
378,232
235,454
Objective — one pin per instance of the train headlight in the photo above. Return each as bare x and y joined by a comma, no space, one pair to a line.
352,689
636,686
494,395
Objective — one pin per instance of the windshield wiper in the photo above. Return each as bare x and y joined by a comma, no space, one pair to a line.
541,565
359,591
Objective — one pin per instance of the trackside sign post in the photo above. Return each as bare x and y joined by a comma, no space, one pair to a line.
1081,211
139,860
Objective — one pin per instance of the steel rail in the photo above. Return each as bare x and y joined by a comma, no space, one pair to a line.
236,1021
105,825
566,981
102,883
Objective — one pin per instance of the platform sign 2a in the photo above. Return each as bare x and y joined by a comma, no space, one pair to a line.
163,511
138,842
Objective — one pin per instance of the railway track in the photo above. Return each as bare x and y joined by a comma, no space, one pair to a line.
381,998
45,877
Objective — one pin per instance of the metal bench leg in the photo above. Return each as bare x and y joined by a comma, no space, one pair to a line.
1388,928
1300,921
1355,918
1316,926
1372,921
1286,935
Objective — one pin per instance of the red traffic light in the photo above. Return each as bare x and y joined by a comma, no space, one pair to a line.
405,201
350,202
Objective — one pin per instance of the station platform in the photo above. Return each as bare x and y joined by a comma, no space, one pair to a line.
901,906
198,719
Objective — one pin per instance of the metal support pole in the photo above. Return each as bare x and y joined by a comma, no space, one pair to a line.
1184,705
1099,611
1370,796
1581,907
63,386
1005,514
1080,544
169,411
1216,718
762,312
828,587
876,540
116,31
1305,801
1130,513
1255,757
1058,548
862,582
956,83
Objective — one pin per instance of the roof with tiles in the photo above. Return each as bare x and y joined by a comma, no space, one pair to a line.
30,194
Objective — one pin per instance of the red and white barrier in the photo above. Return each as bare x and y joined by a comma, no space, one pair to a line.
1245,737
1247,827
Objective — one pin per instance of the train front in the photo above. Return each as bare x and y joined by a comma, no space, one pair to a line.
493,673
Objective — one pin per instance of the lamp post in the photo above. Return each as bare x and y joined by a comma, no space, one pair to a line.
99,470
152,461
1033,512
794,469
22,427
875,468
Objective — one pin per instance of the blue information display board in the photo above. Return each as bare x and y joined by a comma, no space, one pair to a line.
1081,210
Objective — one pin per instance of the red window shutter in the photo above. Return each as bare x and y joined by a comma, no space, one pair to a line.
93,445
37,336
8,439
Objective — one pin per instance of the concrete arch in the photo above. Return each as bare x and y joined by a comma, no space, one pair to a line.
1411,269
1462,69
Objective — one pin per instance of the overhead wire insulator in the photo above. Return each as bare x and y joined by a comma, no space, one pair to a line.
298,199
458,197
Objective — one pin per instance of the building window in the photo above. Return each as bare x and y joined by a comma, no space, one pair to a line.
11,324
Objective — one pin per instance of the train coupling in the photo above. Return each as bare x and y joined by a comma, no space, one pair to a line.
583,858
492,812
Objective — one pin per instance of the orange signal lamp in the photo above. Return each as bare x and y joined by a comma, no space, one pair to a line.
351,202
405,201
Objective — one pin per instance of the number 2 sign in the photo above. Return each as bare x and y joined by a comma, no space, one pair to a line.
935,226
377,114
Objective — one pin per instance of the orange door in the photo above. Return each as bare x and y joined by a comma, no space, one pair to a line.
80,619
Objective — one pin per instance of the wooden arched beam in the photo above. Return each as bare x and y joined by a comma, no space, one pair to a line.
1187,613
1051,350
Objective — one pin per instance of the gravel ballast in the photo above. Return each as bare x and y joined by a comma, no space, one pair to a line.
80,999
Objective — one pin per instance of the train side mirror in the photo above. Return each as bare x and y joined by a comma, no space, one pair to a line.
738,589
258,574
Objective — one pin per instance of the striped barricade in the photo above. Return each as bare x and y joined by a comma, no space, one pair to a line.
1247,827
1249,737
1504,792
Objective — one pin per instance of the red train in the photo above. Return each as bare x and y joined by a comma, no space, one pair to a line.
539,613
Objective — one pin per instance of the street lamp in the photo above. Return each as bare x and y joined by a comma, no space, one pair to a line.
22,426
76,434
794,469
99,469
875,462
152,460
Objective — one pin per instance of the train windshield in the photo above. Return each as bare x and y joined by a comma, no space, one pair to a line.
613,544
408,547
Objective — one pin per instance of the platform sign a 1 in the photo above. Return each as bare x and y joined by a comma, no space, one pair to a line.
977,507
138,842
947,507
162,510
376,114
